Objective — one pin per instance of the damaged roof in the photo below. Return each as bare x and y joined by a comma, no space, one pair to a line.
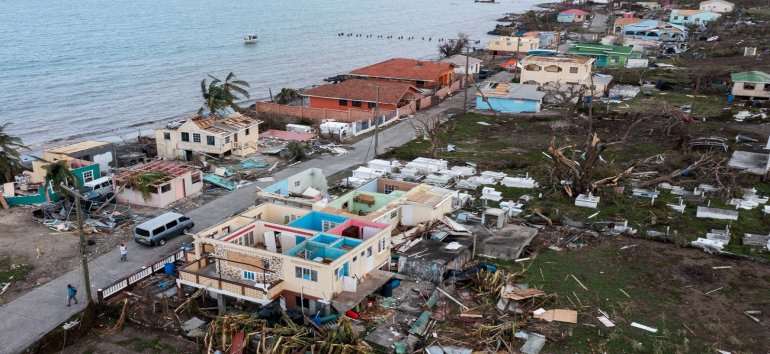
512,91
225,126
750,76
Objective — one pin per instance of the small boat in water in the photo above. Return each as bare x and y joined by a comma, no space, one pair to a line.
250,39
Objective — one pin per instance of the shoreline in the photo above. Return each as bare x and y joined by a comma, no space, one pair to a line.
122,134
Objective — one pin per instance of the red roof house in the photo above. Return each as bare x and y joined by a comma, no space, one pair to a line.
361,94
419,73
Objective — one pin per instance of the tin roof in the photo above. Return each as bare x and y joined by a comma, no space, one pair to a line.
77,147
225,126
750,76
512,91
573,12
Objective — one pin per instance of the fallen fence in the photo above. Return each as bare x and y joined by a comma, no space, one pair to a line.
131,279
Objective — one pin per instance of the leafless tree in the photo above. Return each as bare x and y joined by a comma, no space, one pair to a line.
566,96
429,127
454,46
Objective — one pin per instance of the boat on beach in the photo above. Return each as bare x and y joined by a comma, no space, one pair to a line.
250,39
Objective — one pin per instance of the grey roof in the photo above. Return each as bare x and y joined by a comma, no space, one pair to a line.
459,60
512,91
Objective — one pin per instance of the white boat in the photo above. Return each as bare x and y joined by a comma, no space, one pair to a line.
250,39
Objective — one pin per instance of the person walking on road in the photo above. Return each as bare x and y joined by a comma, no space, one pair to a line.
123,252
71,292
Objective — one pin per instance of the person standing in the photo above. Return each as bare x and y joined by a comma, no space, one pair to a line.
71,292
123,252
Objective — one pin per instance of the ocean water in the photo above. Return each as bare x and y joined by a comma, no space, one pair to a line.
76,69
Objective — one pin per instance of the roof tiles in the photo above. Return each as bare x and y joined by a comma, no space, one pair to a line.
410,69
363,90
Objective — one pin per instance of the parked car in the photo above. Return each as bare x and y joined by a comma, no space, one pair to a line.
162,228
100,185
484,73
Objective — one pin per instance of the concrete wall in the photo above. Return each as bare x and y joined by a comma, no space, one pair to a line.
170,145
367,257
333,103
181,187
504,45
716,7
545,71
761,90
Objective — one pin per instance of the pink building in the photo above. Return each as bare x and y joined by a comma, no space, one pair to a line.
174,181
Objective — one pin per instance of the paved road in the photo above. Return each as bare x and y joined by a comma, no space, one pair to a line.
598,23
25,320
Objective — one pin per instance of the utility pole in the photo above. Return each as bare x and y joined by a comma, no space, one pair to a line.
465,96
376,121
83,253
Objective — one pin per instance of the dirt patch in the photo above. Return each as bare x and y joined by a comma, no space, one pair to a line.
21,239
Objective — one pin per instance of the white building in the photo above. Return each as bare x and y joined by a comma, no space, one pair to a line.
459,60
720,6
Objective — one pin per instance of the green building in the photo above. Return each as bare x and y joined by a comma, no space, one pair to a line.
605,55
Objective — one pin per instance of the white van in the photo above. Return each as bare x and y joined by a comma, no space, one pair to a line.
100,185
161,228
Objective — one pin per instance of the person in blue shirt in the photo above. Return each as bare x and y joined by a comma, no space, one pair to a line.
71,292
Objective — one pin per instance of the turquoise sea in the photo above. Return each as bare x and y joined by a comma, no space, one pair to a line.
76,69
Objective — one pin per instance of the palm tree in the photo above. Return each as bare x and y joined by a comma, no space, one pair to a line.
9,154
144,183
286,96
212,97
220,94
58,175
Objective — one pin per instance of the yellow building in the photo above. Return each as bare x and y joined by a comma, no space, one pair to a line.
513,45
562,71
92,151
303,258
237,135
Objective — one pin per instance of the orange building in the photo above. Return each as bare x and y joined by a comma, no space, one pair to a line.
421,74
361,94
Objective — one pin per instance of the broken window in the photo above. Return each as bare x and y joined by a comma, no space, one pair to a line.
165,188
532,67
420,83
306,274
328,225
166,136
389,188
767,87
186,137
749,86
210,140
195,177
343,102
555,69
356,103
248,131
371,104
